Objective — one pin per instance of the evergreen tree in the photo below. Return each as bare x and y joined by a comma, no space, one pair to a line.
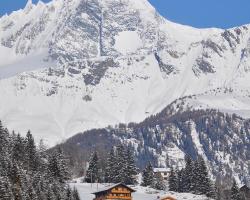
69,194
188,175
131,169
57,167
92,174
202,182
4,138
173,181
5,189
30,193
31,153
120,165
235,192
180,175
50,194
42,150
24,176
18,151
5,161
148,176
75,194
40,190
19,181
110,168
63,166
53,168
159,183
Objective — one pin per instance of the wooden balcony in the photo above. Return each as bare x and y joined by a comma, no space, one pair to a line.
118,197
122,195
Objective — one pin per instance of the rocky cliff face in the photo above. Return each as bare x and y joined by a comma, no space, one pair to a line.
73,65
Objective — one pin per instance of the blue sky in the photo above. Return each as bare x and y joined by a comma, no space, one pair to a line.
197,13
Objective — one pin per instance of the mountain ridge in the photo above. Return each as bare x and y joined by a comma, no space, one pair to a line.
164,139
62,61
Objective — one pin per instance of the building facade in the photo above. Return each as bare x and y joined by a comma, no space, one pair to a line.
164,172
119,191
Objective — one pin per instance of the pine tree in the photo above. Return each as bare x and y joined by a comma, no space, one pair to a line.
19,181
110,168
63,166
50,194
69,194
92,174
202,182
5,161
57,167
120,165
188,175
31,153
131,169
24,176
42,150
30,193
75,194
173,181
60,190
41,190
18,151
4,136
148,176
5,189
235,192
159,182
180,175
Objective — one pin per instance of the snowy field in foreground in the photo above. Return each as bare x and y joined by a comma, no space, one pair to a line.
141,193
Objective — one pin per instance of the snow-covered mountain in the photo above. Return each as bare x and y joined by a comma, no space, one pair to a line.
223,140
72,65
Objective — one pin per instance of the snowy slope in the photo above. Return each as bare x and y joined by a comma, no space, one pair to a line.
141,193
223,140
72,65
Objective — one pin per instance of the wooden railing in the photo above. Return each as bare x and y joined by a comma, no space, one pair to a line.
120,192
118,197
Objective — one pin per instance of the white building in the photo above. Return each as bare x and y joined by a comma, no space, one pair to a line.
165,172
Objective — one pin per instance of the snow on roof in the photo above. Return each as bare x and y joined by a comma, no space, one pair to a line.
112,186
162,169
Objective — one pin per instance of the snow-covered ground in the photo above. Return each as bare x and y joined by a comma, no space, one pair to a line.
141,193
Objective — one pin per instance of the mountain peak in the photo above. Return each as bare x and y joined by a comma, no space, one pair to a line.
74,56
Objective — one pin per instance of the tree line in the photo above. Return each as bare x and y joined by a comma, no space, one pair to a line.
151,179
119,167
194,178
29,172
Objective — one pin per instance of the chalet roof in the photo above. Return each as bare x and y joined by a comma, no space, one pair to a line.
162,170
168,198
113,186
